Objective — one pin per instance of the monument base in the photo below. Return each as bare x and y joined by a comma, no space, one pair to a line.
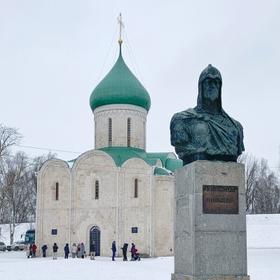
210,222
217,277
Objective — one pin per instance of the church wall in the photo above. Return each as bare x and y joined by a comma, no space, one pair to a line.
104,218
164,219
88,211
115,212
52,213
135,212
119,115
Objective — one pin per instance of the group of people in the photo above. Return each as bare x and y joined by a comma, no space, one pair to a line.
76,250
32,248
31,251
135,256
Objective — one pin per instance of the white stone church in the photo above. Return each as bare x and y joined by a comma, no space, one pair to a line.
117,191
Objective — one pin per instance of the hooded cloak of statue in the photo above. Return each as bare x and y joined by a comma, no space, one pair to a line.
199,134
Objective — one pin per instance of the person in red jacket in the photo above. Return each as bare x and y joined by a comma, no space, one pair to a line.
134,253
34,248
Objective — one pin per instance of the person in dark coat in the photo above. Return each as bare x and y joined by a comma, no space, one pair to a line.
114,249
92,250
30,251
55,248
44,250
66,251
132,250
124,251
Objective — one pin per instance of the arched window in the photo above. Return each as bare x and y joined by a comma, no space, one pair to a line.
110,132
128,132
135,187
96,190
56,191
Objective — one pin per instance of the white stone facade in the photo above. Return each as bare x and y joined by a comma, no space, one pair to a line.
67,206
116,210
119,114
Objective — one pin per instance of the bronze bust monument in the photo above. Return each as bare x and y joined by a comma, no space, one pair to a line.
207,132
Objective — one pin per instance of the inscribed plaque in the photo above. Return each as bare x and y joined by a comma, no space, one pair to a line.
220,199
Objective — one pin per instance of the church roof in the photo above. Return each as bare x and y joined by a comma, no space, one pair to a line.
122,154
120,86
173,164
162,171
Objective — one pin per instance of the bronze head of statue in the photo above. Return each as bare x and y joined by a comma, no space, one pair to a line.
210,90
206,132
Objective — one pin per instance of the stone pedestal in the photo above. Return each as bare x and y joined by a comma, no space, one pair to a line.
210,222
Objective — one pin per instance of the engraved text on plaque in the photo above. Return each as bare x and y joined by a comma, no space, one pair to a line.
220,199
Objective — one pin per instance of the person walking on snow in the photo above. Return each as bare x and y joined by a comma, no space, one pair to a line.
78,250
30,251
135,256
114,249
132,250
27,251
66,251
74,250
44,250
55,248
34,248
92,250
124,250
82,250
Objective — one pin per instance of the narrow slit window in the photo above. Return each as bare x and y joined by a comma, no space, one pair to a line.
136,188
96,189
56,191
110,133
128,132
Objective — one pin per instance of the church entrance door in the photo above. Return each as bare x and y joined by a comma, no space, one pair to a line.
94,240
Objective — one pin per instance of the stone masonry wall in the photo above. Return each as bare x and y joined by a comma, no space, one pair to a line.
119,115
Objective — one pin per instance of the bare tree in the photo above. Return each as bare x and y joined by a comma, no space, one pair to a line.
251,177
18,181
8,138
262,186
266,191
15,190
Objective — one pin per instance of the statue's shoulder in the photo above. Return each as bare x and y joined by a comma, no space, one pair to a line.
239,127
238,124
235,122
182,116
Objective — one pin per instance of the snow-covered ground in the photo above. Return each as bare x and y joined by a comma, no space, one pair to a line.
263,231
263,260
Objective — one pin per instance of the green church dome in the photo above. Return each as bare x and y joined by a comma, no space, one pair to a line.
120,86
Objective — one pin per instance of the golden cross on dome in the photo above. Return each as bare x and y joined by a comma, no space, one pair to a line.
120,22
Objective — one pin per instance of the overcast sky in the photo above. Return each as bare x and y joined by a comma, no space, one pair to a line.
54,52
